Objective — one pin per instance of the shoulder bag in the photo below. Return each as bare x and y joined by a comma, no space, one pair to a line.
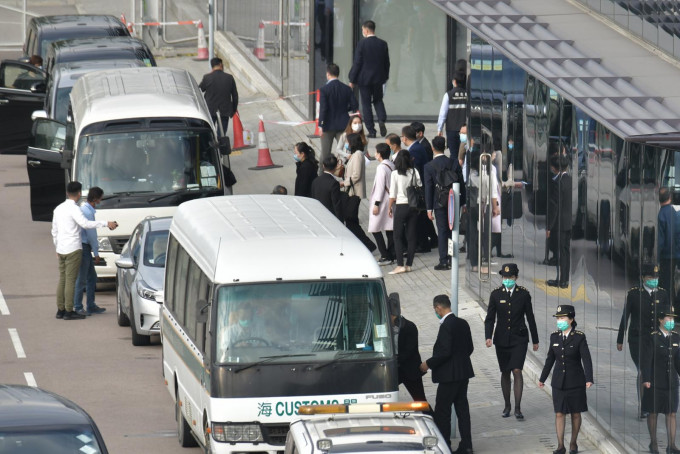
415,194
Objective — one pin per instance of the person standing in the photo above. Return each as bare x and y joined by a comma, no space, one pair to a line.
306,166
558,229
509,306
221,94
67,222
660,369
355,126
87,276
404,217
669,241
453,112
452,370
379,219
326,189
355,170
370,71
572,375
336,101
394,142
419,128
643,303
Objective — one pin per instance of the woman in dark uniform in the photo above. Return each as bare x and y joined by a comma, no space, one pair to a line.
660,366
509,304
572,375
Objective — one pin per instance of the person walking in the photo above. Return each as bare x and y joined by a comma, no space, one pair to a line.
379,220
668,242
404,216
370,71
306,166
336,101
394,142
571,376
660,369
451,370
453,112
419,128
355,126
221,94
67,222
326,189
642,306
355,169
87,276
509,306
558,228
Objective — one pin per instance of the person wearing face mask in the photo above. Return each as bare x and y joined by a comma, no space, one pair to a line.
354,126
453,112
244,328
509,306
394,142
660,369
641,309
572,374
306,167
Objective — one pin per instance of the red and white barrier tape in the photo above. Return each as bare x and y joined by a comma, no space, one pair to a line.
256,101
159,24
276,22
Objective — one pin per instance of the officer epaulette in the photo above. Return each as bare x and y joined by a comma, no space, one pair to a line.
634,288
579,332
520,287
500,287
655,332
556,331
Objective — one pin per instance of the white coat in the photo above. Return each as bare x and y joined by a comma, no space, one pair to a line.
381,192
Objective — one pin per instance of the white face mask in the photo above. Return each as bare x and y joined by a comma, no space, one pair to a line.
356,127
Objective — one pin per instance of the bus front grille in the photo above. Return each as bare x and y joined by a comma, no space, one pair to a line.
275,434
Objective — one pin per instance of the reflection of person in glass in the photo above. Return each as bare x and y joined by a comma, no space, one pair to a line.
558,228
509,304
660,368
422,45
669,241
641,308
572,375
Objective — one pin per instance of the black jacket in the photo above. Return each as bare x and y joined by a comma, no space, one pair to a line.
559,204
428,148
660,360
641,307
335,101
573,365
408,356
371,62
450,359
220,93
326,190
306,173
510,310
431,171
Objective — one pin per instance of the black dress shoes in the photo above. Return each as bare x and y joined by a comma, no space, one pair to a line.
654,449
573,451
556,283
672,450
551,262
561,450
506,412
518,414
506,256
442,266
383,129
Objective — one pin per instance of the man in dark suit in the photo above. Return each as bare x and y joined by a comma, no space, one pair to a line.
427,237
452,369
336,100
370,72
420,137
559,223
326,189
221,95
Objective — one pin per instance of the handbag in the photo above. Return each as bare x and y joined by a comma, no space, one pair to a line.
350,204
415,195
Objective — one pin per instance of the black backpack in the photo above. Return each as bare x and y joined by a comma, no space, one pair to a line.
444,180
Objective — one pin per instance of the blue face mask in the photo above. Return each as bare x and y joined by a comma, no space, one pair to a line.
463,138
510,146
244,323
296,157
562,325
669,325
652,283
346,146
508,283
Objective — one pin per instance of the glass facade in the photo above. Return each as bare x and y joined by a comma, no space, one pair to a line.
614,221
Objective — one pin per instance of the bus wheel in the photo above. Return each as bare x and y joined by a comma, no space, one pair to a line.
207,449
186,440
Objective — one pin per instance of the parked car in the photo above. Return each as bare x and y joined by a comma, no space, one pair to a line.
36,421
140,274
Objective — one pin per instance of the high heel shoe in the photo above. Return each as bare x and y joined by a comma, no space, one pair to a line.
561,450
573,451
518,414
653,448
506,412
672,450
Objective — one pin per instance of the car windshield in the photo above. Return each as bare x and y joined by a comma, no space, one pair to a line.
154,248
148,161
321,320
61,440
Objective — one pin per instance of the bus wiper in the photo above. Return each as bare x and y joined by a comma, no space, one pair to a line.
180,192
126,193
342,355
271,358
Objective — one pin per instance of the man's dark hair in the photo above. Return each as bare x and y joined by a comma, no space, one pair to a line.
95,193
394,139
460,77
369,24
330,162
74,187
664,195
281,190
439,144
408,132
556,162
418,126
442,301
403,162
36,60
383,150
564,162
354,142
333,69
215,62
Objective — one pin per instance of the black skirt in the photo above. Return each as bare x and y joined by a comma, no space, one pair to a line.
656,400
512,357
571,400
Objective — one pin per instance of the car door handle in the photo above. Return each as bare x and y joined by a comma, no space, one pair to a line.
34,163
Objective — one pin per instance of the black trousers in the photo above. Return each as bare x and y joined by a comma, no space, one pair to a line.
405,221
427,236
443,233
563,255
416,389
453,142
355,228
372,95
666,274
225,124
453,393
386,251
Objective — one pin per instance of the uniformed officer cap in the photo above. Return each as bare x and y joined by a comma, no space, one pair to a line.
394,304
565,310
650,269
509,269
666,311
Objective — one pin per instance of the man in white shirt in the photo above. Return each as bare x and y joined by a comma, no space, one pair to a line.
67,222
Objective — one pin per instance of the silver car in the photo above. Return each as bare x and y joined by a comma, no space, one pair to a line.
139,275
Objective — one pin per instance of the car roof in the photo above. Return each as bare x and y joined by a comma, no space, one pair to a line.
113,42
75,21
22,406
69,72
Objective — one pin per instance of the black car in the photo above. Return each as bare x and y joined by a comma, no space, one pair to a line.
36,421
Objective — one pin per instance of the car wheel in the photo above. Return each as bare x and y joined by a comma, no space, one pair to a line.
186,440
137,339
123,319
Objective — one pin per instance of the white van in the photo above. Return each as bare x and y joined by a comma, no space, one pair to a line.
144,135
270,304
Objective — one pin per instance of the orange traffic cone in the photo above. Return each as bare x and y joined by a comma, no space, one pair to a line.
317,131
202,47
238,142
264,159
259,46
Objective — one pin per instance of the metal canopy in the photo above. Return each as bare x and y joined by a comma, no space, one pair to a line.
611,99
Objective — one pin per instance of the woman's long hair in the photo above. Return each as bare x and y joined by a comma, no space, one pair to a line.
308,151
362,134
354,142
403,162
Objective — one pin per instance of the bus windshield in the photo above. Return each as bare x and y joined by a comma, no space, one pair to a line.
147,161
319,320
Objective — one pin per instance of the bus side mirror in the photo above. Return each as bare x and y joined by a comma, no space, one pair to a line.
202,309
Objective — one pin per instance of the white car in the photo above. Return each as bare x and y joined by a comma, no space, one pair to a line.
140,273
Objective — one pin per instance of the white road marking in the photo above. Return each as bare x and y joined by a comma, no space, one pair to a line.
4,310
14,335
30,379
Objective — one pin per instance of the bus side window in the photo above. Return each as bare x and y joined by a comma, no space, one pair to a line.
193,279
180,284
171,262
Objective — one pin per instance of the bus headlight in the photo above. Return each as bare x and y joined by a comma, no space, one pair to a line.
104,244
236,433
145,291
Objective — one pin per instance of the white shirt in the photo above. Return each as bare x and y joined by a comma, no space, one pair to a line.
67,221
441,320
399,183
443,112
